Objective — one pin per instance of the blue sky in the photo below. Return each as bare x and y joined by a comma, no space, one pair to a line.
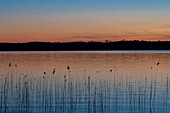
72,6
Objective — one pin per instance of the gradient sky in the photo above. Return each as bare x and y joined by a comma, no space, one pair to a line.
86,20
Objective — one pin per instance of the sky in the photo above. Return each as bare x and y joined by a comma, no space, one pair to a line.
84,20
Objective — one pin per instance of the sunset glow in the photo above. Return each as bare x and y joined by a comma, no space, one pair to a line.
97,20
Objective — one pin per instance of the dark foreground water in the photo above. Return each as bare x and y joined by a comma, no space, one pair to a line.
85,82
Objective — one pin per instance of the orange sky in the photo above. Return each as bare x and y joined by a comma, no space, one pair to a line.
84,26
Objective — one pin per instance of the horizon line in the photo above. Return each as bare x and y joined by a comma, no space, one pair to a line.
106,41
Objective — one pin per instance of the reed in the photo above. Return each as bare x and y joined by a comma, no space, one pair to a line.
70,93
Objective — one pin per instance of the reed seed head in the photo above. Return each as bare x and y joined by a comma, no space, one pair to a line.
53,71
10,64
68,67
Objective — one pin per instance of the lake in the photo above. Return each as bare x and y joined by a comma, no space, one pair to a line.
85,81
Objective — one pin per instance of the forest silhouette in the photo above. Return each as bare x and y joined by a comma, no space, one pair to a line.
82,46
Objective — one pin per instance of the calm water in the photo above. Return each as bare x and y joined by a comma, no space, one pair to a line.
96,82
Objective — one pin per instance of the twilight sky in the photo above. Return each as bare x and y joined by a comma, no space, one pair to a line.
86,20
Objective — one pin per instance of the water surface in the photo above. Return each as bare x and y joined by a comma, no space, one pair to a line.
97,81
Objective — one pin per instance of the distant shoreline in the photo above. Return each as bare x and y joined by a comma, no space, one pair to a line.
83,51
86,46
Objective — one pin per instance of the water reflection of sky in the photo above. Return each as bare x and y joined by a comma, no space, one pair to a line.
132,63
121,81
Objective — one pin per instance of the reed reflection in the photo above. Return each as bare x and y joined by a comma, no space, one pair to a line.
114,88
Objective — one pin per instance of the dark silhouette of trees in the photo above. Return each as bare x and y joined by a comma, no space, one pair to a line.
107,45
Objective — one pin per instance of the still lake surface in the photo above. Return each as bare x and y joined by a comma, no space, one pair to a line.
85,81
